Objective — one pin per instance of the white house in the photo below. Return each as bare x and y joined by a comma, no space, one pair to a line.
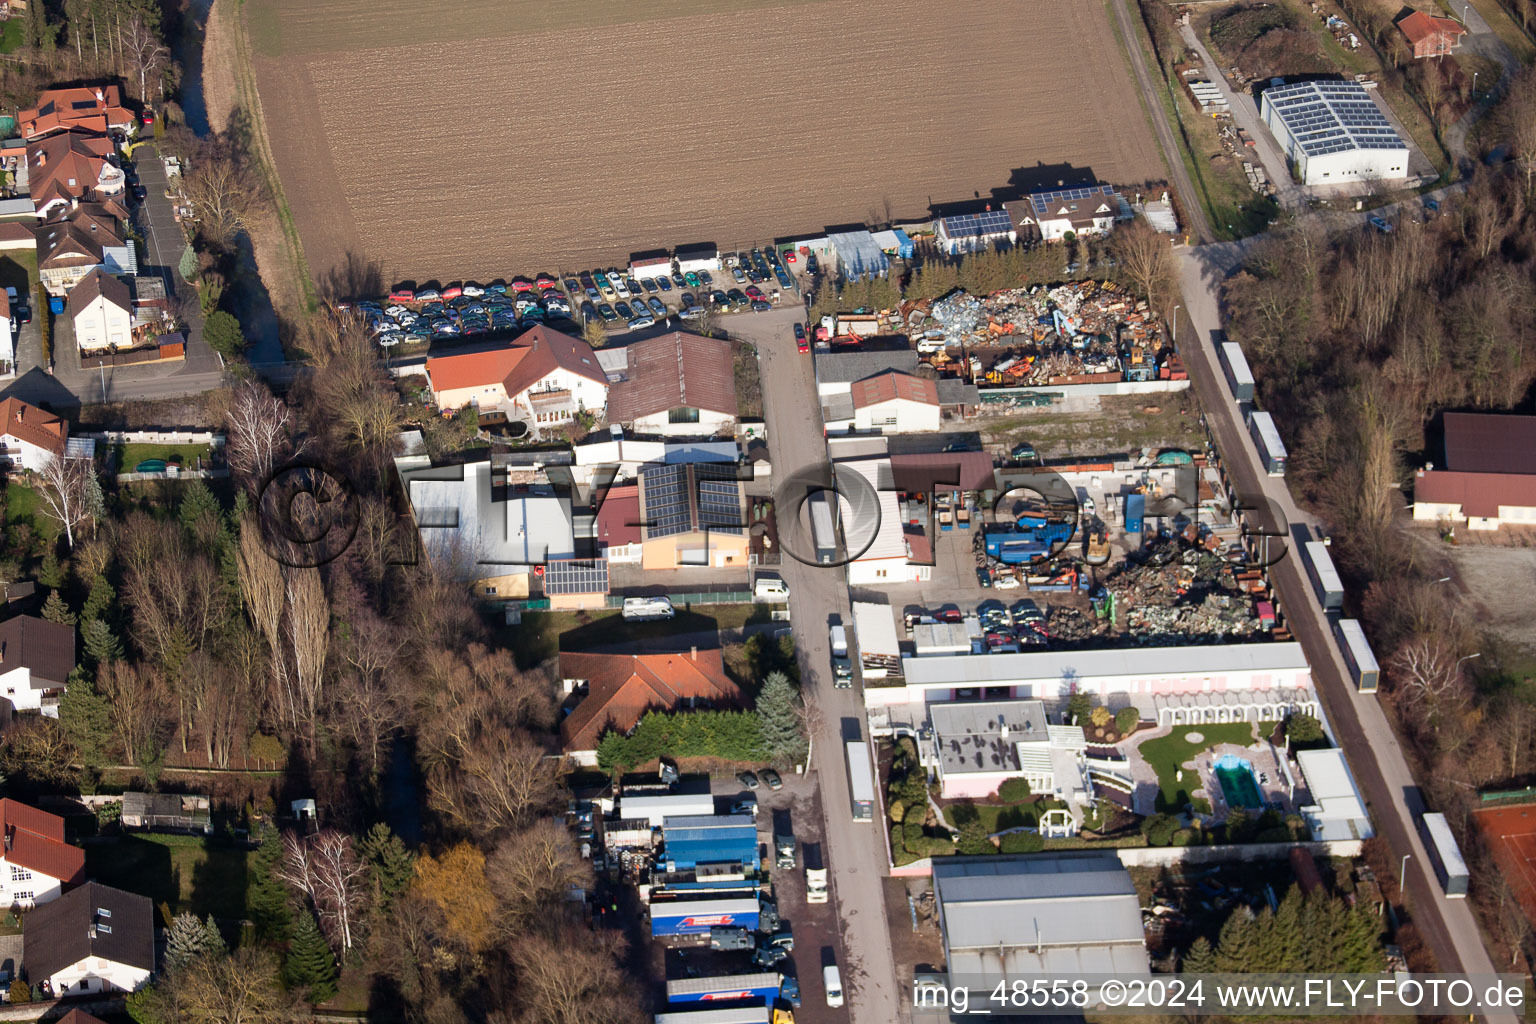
652,265
36,658
91,939
37,863
29,437
1333,133
101,307
896,403
974,232
544,378
678,385
976,746
7,339
1051,215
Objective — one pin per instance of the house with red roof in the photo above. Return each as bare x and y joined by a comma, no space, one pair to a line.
29,437
618,524
91,108
66,169
676,385
612,692
1429,35
896,403
37,864
544,378
1489,479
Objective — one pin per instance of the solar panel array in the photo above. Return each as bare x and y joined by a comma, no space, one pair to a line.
576,576
975,225
698,496
1332,117
1043,202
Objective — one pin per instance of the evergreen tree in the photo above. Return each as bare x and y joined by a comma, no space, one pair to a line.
100,643
55,610
267,900
99,599
86,718
1284,948
50,573
390,865
1079,707
1200,958
1234,947
188,938
778,717
310,964
973,838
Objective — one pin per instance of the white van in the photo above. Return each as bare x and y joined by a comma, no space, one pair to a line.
643,609
832,981
770,588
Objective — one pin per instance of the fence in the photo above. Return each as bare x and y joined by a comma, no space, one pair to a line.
159,435
681,599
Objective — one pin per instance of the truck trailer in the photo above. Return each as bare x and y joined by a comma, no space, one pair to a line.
698,917
1235,365
729,1015
1325,578
764,986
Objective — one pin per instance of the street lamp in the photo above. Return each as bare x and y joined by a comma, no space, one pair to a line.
1469,657
1402,874
1176,309
1442,579
1474,86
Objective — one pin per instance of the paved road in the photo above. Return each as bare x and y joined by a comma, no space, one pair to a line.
1152,91
855,851
1484,42
1359,723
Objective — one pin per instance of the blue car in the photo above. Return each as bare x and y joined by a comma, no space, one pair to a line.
658,307
665,284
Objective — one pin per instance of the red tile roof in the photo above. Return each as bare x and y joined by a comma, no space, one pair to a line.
1419,27
671,371
34,840
46,649
94,108
920,472
531,357
99,284
33,425
66,166
1478,442
621,688
618,516
1478,494
887,387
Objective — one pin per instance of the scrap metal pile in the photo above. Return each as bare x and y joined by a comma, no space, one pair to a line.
1179,591
1019,337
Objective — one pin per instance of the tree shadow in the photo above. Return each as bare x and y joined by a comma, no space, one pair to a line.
355,278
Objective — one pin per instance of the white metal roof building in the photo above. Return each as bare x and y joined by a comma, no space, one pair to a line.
1333,132
858,255
1044,914
872,526
1337,810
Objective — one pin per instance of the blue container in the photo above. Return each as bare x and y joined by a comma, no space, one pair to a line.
55,304
1135,512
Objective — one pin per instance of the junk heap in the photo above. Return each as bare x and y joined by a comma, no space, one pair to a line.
1177,591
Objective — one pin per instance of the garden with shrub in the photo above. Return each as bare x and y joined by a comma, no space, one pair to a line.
1101,725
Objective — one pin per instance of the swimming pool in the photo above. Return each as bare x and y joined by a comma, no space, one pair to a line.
1238,784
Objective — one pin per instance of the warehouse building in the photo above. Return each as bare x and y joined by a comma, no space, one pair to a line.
1489,477
1334,133
858,255
693,841
1336,810
1052,915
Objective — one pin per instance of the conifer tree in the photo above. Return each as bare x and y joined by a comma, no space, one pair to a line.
1200,958
310,964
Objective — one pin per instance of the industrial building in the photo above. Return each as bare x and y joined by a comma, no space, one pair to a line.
1336,810
694,841
1052,915
1334,133
1489,477
858,255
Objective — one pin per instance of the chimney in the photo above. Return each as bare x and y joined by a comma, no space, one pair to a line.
1060,183
694,653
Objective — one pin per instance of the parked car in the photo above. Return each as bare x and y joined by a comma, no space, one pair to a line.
747,779
428,295
693,280
783,939
1380,224
657,307
1007,582
789,256
720,299
984,576
649,284
606,312
761,306
755,293
679,280
789,991
588,311
769,956
686,299
705,278
738,297
739,274
664,283
545,281
772,778
643,320
811,264
473,290
1023,452
619,286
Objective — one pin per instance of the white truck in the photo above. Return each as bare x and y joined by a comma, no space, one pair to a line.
646,609
846,325
815,885
842,665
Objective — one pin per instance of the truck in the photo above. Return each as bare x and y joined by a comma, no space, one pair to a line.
762,985
695,917
648,609
823,529
842,665
784,850
848,325
1440,842
1325,578
1358,655
861,781
731,1015
815,885
1235,365
1261,426
731,938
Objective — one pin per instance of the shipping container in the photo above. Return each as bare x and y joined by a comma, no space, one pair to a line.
1358,655
861,781
1325,578
694,917
1235,365
1449,865
823,530
1135,512
1261,425
764,986
734,1015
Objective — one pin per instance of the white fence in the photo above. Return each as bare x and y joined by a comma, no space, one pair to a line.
208,437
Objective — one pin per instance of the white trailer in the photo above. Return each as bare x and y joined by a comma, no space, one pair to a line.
1235,365
1358,655
1449,864
1261,425
1325,578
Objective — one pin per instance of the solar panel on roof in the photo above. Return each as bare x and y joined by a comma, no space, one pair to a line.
576,576
685,497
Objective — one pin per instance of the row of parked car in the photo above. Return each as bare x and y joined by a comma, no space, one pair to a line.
1004,629
461,314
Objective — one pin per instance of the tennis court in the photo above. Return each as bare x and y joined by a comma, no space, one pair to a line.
1511,834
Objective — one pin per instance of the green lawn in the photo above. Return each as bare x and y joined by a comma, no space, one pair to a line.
1000,817
23,505
10,35
543,635
1166,753
130,455
182,872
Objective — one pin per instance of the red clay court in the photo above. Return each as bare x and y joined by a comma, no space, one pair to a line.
1511,834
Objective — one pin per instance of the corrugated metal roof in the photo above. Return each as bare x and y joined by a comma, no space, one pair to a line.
709,821
1040,903
1140,662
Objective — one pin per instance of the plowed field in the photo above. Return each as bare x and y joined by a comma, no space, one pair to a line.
469,138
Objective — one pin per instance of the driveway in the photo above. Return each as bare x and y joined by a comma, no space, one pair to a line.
855,851
1481,41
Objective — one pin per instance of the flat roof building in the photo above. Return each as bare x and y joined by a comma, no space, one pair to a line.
1334,133
1337,810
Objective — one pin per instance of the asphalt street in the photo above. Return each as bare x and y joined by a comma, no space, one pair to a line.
1358,721
855,851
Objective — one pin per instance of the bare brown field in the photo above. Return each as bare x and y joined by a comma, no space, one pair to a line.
442,153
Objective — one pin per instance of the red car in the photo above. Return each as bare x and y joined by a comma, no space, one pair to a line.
754,292
522,284
789,256
453,291
545,282
801,342
147,118
402,295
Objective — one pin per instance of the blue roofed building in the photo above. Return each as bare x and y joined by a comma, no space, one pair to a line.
692,841
974,232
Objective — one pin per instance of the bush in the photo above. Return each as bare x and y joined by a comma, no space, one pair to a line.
1100,716
974,839
1014,790
898,809
1022,842
1159,829
1184,837
1079,705
223,334
912,833
1300,728
1126,720
727,735
1277,834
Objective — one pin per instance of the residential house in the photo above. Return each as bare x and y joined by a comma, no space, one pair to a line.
613,691
91,939
95,109
36,658
693,514
17,235
101,307
618,531
1429,35
676,384
78,241
974,232
7,339
896,403
1489,478
29,437
975,746
543,378
487,525
71,168
1052,215
37,863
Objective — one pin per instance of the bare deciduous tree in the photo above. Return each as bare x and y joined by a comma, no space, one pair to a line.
223,191
1146,256
262,588
1518,117
1429,677
260,434
145,51
326,868
137,693
70,492
308,632
570,978
533,869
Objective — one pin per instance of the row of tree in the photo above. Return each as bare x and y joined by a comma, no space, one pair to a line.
1305,933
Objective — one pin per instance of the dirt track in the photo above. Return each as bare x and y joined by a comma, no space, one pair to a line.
517,149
